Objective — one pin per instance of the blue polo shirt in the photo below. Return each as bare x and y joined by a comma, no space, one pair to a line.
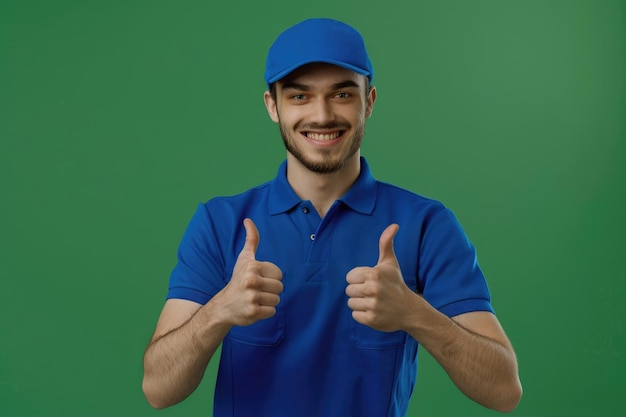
312,358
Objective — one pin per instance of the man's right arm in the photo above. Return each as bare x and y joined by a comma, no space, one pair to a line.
188,334
186,337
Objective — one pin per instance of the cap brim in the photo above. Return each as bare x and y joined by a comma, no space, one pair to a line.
291,69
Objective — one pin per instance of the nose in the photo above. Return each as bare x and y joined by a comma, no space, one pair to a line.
321,111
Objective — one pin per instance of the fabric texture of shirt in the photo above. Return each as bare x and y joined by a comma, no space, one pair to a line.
312,358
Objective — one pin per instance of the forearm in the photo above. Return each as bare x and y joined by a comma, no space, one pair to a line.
174,363
483,368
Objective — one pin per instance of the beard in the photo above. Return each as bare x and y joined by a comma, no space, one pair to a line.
328,164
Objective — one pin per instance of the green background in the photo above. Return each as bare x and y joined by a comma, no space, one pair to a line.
118,117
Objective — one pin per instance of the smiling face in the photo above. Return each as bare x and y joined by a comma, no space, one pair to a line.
321,110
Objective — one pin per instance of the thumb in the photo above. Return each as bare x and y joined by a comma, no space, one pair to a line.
252,240
386,253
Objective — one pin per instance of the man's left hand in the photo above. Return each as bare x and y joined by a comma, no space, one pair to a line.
379,297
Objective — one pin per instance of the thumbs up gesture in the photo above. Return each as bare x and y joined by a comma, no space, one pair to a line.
378,295
253,291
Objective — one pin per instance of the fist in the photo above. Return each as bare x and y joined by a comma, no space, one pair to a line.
255,287
378,296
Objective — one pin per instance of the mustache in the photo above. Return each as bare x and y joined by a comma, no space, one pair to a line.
325,126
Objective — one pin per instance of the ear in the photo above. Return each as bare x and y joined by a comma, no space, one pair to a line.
371,98
270,105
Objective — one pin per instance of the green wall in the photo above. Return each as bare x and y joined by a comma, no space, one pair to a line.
118,117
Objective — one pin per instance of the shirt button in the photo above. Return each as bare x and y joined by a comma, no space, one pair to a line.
312,236
305,210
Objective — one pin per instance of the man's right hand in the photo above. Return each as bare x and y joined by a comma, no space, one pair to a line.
253,291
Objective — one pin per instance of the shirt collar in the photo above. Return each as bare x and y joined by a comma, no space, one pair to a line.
282,197
361,197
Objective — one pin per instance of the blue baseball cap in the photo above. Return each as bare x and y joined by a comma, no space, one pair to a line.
317,40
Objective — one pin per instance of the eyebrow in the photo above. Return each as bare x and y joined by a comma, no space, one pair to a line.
345,84
295,86
303,87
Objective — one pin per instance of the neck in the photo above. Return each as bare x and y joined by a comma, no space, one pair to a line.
322,189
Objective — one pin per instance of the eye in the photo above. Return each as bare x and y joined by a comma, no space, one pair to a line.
298,97
342,94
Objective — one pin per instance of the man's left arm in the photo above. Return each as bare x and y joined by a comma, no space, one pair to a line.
471,347
474,351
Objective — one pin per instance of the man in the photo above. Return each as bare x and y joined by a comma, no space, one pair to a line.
320,284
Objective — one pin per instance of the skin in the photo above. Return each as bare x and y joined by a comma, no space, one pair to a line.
321,110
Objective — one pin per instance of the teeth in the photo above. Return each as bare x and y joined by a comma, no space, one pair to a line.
322,136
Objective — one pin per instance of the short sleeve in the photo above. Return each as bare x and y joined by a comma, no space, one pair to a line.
450,277
199,272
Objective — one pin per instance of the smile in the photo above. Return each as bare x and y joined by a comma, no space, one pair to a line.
323,136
